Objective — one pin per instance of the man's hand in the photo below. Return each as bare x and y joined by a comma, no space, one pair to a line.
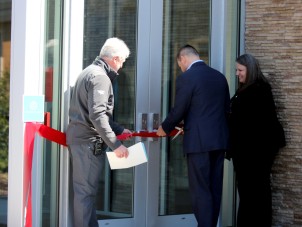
127,131
160,132
121,152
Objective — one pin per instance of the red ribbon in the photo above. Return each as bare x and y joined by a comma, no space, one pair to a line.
58,137
143,134
29,137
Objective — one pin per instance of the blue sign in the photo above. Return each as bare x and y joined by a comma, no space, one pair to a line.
33,108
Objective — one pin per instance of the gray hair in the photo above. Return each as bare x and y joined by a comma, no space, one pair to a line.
115,47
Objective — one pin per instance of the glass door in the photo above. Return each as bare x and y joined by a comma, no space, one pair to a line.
182,23
174,195
172,24
155,193
104,19
48,160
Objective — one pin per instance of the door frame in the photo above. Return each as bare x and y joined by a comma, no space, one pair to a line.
148,92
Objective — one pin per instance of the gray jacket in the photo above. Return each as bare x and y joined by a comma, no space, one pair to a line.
91,107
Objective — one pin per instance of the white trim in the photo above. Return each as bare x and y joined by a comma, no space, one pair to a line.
218,56
72,56
217,34
142,105
25,78
76,39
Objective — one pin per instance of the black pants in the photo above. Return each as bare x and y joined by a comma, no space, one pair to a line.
254,188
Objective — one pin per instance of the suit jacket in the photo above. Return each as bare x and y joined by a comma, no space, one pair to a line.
202,100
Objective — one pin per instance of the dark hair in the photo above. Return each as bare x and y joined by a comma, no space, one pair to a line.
253,70
187,50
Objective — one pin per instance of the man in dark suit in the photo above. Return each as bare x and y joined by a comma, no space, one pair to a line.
202,101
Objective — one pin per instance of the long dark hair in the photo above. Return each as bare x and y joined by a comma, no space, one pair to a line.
253,70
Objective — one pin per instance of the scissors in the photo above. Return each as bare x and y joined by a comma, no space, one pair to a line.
180,130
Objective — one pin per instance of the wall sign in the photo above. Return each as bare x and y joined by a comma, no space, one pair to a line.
33,108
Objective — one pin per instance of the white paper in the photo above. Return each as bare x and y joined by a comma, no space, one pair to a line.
137,156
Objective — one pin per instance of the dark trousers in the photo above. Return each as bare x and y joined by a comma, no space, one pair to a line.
86,172
205,172
254,189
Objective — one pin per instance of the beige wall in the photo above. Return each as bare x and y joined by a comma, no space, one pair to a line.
274,35
6,56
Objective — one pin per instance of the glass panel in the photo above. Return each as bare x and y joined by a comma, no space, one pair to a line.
184,23
231,51
232,42
104,19
52,86
5,40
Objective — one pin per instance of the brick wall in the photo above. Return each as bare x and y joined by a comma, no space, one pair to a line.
274,36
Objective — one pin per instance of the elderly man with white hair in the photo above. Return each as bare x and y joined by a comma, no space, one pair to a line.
91,129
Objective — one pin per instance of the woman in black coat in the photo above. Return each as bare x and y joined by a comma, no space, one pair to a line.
253,127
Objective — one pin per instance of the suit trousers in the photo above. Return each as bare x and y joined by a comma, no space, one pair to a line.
205,170
86,173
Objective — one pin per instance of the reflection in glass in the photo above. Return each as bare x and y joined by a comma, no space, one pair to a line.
104,19
184,23
231,51
52,91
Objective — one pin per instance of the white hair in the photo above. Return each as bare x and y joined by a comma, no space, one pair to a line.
115,47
